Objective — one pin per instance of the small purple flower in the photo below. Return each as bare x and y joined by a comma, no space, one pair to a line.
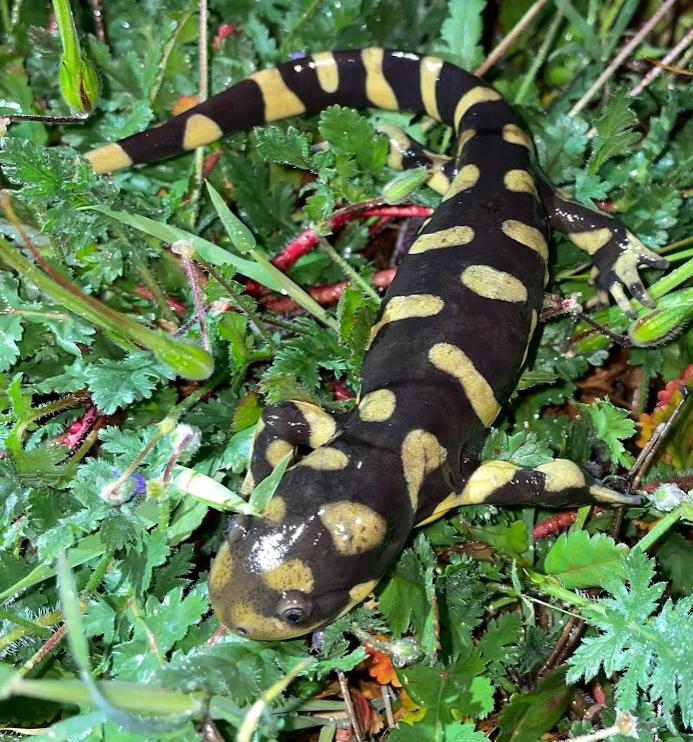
140,483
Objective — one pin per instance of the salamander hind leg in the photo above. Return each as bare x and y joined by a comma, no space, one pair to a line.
615,252
559,483
280,429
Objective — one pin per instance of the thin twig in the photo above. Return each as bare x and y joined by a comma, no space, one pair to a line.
385,690
657,70
618,60
573,624
351,711
639,468
78,118
517,29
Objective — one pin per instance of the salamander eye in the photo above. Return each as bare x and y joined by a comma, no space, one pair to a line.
293,615
294,607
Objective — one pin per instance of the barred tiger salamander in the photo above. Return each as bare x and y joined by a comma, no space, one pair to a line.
444,354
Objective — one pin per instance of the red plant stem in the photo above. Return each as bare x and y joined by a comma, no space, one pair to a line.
684,483
340,392
378,227
177,306
304,242
406,210
557,522
324,295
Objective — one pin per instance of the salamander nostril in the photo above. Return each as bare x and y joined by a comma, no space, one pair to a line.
237,525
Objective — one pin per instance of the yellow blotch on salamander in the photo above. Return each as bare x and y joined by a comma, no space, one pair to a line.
429,72
592,240
532,327
222,569
451,237
493,284
479,94
276,451
378,89
454,361
562,474
200,130
294,574
513,134
464,137
421,454
354,527
243,618
520,181
377,406
407,307
326,458
327,71
322,425
529,236
280,102
489,477
275,511
464,180
108,158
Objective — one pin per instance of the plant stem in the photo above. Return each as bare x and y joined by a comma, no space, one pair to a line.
540,58
348,271
187,359
660,529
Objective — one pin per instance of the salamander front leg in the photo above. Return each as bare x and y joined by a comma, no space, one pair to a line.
614,251
406,153
279,430
559,483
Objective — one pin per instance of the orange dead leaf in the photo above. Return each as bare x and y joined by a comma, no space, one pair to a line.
379,666
184,103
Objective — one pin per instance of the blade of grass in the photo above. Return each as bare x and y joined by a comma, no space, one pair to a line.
207,250
244,241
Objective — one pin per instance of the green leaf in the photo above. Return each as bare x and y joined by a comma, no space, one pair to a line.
641,643
263,493
611,425
581,560
405,594
11,332
615,135
528,716
115,384
207,250
350,134
462,31
285,147
241,237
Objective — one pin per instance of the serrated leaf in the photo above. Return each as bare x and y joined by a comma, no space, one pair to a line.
630,638
11,332
115,384
611,425
615,133
285,147
462,30
350,134
580,560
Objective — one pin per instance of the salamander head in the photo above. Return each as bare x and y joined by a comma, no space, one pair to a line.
295,569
